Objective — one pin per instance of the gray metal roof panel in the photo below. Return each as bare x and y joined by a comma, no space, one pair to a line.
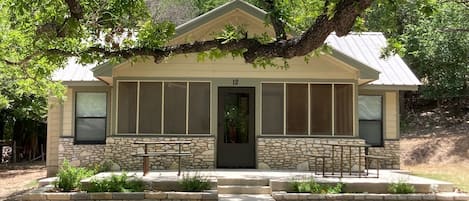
366,47
74,72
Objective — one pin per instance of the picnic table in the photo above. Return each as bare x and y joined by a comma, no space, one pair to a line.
342,147
146,154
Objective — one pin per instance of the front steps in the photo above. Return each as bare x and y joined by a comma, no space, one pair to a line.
243,186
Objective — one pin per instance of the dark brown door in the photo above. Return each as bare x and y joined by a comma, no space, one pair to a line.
236,142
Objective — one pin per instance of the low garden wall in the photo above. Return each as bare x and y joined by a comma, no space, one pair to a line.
161,196
280,196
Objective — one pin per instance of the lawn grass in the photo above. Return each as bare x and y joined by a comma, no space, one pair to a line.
458,174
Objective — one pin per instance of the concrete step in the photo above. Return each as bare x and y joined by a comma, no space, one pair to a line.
244,197
243,181
46,181
238,189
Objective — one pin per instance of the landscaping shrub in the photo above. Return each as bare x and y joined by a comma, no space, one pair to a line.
116,183
68,177
194,183
312,187
401,187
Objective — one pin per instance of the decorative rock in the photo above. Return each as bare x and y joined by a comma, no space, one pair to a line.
303,166
115,167
263,166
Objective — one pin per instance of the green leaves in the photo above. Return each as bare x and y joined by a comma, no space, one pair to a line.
155,35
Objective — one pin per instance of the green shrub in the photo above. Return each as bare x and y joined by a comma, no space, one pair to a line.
116,183
194,183
311,186
68,177
401,187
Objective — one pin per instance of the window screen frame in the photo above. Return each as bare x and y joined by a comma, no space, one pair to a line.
309,134
75,117
382,97
162,133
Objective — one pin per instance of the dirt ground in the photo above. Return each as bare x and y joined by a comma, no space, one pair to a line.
19,178
435,149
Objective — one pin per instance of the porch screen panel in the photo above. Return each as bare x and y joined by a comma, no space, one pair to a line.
321,109
127,107
343,95
297,109
272,108
199,108
150,108
175,107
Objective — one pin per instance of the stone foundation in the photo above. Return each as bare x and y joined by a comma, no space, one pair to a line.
119,150
278,153
80,155
281,153
391,149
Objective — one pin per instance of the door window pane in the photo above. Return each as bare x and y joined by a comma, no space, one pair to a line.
297,109
321,109
127,107
272,108
150,108
199,108
343,109
175,107
236,118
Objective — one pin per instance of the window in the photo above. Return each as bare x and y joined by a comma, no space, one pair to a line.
90,117
321,106
307,109
297,109
272,109
370,119
150,107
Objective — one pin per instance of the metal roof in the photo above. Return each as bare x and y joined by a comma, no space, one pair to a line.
361,50
367,47
74,72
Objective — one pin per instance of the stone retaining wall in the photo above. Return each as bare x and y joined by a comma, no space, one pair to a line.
391,149
119,150
293,153
160,196
279,196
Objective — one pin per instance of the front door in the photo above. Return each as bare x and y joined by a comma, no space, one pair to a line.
236,143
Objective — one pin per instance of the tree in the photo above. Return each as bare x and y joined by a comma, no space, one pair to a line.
433,38
39,36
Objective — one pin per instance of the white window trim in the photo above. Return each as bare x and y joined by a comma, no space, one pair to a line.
162,106
354,134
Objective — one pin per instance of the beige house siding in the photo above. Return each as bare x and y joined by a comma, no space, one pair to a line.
236,17
319,68
67,129
54,121
391,115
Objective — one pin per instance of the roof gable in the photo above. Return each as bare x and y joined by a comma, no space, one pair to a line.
360,51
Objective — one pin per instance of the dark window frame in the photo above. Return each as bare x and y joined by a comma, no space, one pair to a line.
366,120
81,142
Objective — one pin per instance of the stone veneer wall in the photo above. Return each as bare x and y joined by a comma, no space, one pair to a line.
80,155
120,149
292,153
391,149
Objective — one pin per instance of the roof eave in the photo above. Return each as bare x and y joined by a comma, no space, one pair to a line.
390,87
366,72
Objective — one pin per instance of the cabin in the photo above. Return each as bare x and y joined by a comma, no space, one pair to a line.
233,114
